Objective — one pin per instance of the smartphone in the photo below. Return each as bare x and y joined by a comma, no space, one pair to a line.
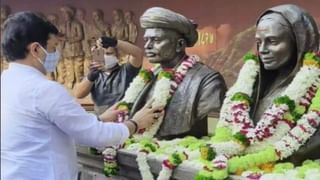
98,54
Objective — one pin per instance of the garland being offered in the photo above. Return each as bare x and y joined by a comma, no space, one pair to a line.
167,82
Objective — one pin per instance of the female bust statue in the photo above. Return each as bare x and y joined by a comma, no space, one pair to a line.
284,34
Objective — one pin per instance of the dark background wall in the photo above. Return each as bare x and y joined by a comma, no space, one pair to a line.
240,14
219,20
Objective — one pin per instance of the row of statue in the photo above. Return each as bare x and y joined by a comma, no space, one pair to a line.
78,35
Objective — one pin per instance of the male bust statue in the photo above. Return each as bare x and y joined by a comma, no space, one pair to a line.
167,34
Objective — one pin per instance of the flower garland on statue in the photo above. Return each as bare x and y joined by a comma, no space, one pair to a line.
168,89
167,82
283,124
136,86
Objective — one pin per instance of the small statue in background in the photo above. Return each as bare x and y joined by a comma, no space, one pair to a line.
5,11
132,27
86,42
72,46
119,28
99,27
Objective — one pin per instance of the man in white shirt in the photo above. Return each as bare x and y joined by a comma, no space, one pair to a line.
40,121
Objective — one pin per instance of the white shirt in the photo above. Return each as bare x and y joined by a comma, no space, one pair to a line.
40,123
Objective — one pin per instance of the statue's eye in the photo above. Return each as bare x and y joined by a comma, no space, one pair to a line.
258,42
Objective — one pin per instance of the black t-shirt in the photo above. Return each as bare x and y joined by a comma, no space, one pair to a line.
110,88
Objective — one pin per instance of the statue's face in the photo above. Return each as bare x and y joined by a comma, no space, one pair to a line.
52,19
80,15
160,45
66,15
128,17
275,41
116,16
95,16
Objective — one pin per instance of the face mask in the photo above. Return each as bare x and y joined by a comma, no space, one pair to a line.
110,61
51,61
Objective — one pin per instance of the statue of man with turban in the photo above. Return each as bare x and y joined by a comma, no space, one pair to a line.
167,35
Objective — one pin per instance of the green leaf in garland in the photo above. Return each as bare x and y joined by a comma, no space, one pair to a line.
124,106
166,74
241,97
241,138
285,100
290,117
150,147
222,134
187,141
312,55
204,175
207,152
145,74
282,167
298,112
129,142
250,56
177,158
110,169
315,104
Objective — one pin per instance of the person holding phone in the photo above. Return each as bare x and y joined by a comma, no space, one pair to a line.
40,121
107,80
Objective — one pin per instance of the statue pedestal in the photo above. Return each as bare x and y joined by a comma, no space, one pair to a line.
93,164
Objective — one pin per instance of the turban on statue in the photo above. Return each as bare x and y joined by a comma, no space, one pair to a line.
158,17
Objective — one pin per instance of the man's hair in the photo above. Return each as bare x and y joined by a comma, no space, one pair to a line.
24,28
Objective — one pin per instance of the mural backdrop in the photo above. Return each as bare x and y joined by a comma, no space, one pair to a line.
226,27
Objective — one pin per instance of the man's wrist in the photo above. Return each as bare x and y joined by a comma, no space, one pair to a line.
136,128
91,79
130,127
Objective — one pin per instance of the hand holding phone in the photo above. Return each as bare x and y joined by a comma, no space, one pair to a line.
97,54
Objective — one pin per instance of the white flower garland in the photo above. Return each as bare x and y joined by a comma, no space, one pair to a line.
298,135
244,84
235,114
136,86
144,166
164,89
305,79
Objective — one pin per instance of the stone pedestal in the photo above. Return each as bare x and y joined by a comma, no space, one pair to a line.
91,167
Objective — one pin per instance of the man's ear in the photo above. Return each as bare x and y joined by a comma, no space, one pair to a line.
33,48
181,45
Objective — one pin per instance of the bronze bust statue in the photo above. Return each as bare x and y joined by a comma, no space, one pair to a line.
167,35
284,34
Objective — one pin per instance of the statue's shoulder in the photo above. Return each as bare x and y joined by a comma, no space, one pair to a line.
202,68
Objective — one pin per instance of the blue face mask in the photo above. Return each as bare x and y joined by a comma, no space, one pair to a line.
51,61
